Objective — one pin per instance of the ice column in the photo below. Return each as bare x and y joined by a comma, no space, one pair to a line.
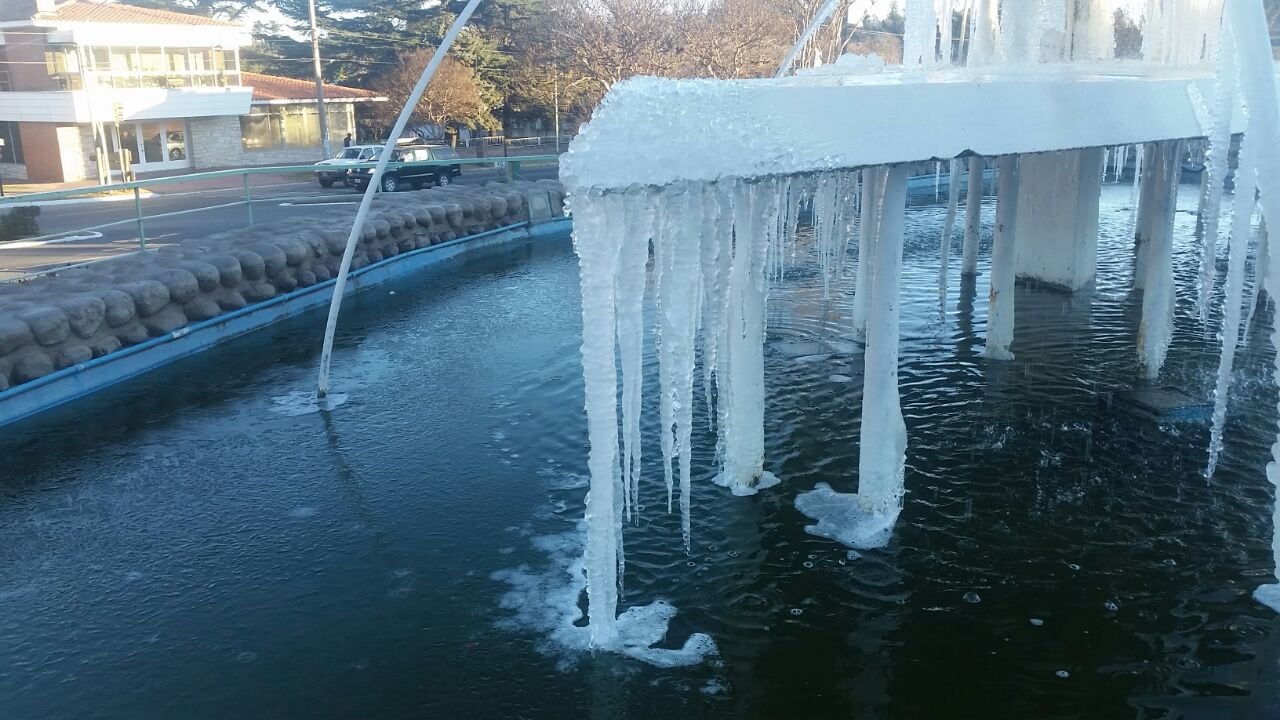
1156,330
973,217
1147,218
741,392
873,180
1215,171
1238,251
1003,256
919,44
948,228
986,32
597,240
865,519
1258,289
1249,30
633,257
1057,225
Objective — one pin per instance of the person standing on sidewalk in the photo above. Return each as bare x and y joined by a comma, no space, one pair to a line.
346,141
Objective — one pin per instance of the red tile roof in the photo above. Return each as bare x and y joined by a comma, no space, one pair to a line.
271,87
110,12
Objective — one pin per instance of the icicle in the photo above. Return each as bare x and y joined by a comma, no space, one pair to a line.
633,257
937,181
868,227
672,208
1156,329
919,44
1238,250
740,380
973,216
942,11
1003,254
679,295
948,228
1215,171
598,239
985,33
866,519
1261,262
1249,31
1145,223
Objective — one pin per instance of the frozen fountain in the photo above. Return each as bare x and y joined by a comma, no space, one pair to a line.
711,175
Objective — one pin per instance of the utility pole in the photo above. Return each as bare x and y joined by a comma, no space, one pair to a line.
315,61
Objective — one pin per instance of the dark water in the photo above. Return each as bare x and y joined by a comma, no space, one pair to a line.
185,548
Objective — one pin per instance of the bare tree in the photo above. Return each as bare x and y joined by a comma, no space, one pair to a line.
453,98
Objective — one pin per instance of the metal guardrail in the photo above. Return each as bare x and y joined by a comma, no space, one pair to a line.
512,165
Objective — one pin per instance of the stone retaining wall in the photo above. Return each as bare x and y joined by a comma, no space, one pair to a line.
55,322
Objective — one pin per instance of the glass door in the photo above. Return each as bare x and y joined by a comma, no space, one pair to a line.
157,145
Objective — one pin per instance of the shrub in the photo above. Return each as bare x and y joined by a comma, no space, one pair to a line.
19,223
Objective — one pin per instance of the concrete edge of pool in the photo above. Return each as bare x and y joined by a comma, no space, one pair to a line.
78,381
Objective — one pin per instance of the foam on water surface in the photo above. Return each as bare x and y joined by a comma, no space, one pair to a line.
842,517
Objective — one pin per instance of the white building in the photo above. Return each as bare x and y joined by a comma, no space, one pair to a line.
84,83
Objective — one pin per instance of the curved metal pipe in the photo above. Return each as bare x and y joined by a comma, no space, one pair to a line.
331,327
823,15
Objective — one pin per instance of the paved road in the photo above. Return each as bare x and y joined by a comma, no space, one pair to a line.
274,200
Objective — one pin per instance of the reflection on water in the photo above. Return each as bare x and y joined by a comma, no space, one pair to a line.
182,548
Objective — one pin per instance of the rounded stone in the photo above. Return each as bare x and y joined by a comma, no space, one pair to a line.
202,307
272,257
252,266
69,355
231,300
322,272
182,285
381,227
85,313
166,321
49,325
306,278
207,275
120,307
132,333
105,345
14,333
258,291
149,296
31,366
229,272
295,251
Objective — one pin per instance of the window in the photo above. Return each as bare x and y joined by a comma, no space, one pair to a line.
12,150
5,84
279,127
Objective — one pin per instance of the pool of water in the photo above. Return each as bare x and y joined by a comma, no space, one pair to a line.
200,544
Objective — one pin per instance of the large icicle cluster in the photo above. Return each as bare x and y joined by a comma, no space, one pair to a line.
715,248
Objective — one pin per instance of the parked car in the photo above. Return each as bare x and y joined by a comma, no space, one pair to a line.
415,172
332,170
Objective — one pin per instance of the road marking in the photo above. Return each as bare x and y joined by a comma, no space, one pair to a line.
322,202
28,244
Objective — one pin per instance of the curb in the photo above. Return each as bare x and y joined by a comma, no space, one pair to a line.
16,200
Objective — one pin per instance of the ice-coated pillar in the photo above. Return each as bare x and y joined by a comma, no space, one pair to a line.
1057,224
865,519
1156,329
1147,192
882,451
596,239
742,393
1003,257
868,227
973,217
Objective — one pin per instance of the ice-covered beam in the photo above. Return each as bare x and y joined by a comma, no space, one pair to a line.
1057,225
656,132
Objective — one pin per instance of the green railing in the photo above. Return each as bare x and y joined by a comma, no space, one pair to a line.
512,168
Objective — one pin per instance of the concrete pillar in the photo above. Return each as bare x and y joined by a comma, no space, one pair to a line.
973,217
1156,330
1057,222
1003,256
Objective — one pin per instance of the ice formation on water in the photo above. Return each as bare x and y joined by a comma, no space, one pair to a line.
722,228
948,228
